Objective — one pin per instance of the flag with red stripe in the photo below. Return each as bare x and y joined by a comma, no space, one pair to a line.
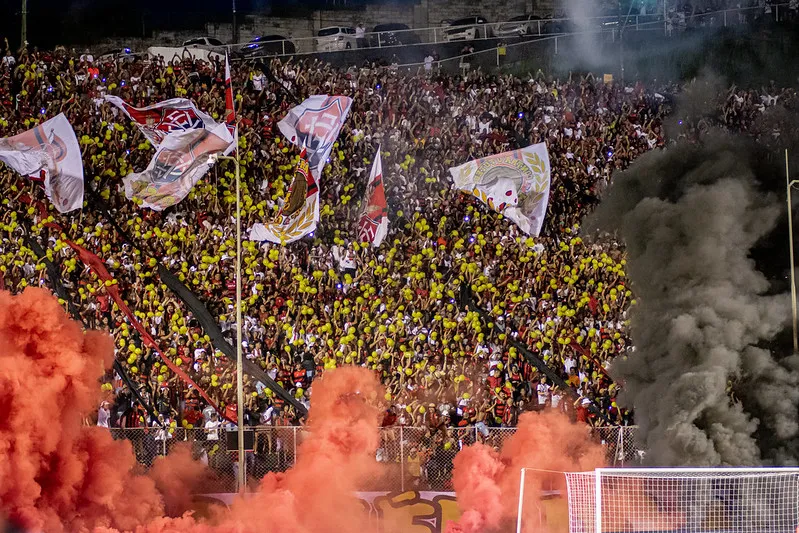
373,224
230,109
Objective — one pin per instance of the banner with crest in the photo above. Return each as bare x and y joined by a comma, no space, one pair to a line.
159,120
313,126
373,224
300,211
515,184
50,153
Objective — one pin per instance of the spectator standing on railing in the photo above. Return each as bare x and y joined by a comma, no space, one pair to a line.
104,415
212,449
428,63
360,36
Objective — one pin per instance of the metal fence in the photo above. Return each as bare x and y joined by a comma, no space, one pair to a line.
412,458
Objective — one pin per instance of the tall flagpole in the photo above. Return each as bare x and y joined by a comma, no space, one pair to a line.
231,118
789,184
239,361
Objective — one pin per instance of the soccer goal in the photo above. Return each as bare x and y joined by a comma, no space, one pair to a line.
685,500
659,500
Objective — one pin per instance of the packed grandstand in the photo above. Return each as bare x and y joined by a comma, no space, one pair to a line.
449,311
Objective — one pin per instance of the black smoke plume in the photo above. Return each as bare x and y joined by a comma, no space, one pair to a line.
711,382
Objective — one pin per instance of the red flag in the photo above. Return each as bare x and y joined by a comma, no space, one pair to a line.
373,224
230,111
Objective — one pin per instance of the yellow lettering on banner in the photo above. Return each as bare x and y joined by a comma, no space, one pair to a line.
406,513
448,509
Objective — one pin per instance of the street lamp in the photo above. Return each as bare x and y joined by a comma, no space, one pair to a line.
790,185
239,364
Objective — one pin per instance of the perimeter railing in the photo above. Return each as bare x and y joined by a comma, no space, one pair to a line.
412,458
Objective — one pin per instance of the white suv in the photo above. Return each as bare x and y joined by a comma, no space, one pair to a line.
206,43
335,38
468,29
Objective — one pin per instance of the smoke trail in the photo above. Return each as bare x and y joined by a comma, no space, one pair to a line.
487,482
583,14
706,389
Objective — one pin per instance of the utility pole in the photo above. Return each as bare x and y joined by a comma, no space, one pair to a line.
24,36
621,45
235,25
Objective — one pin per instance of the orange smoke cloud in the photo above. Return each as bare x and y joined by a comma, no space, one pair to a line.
317,495
487,482
177,477
337,457
60,476
57,475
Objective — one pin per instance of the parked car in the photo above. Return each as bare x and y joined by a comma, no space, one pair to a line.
392,34
335,38
206,43
268,45
467,29
521,26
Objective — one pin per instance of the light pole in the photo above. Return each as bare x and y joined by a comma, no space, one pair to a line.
790,185
24,32
239,364
235,25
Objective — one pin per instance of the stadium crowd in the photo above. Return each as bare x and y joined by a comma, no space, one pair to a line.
329,300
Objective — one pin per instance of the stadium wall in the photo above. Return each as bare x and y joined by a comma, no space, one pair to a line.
422,511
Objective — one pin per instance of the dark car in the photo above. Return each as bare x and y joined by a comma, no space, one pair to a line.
268,45
124,55
392,34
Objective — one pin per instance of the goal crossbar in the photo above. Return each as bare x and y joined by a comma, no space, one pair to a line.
685,500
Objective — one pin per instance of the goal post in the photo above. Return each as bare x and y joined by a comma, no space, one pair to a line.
684,500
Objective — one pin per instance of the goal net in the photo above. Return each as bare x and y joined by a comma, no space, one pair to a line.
685,500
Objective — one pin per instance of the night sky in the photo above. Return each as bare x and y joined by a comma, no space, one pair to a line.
52,22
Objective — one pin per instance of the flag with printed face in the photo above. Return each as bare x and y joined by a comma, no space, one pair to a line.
373,224
181,160
170,116
515,184
49,152
313,126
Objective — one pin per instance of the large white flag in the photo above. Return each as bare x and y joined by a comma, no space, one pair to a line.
313,126
170,116
181,160
514,183
373,224
49,152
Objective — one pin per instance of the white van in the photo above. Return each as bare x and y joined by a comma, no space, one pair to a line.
335,38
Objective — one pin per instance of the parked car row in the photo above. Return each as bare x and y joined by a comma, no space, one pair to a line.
336,38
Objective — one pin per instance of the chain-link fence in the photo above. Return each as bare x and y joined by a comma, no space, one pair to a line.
621,445
413,458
